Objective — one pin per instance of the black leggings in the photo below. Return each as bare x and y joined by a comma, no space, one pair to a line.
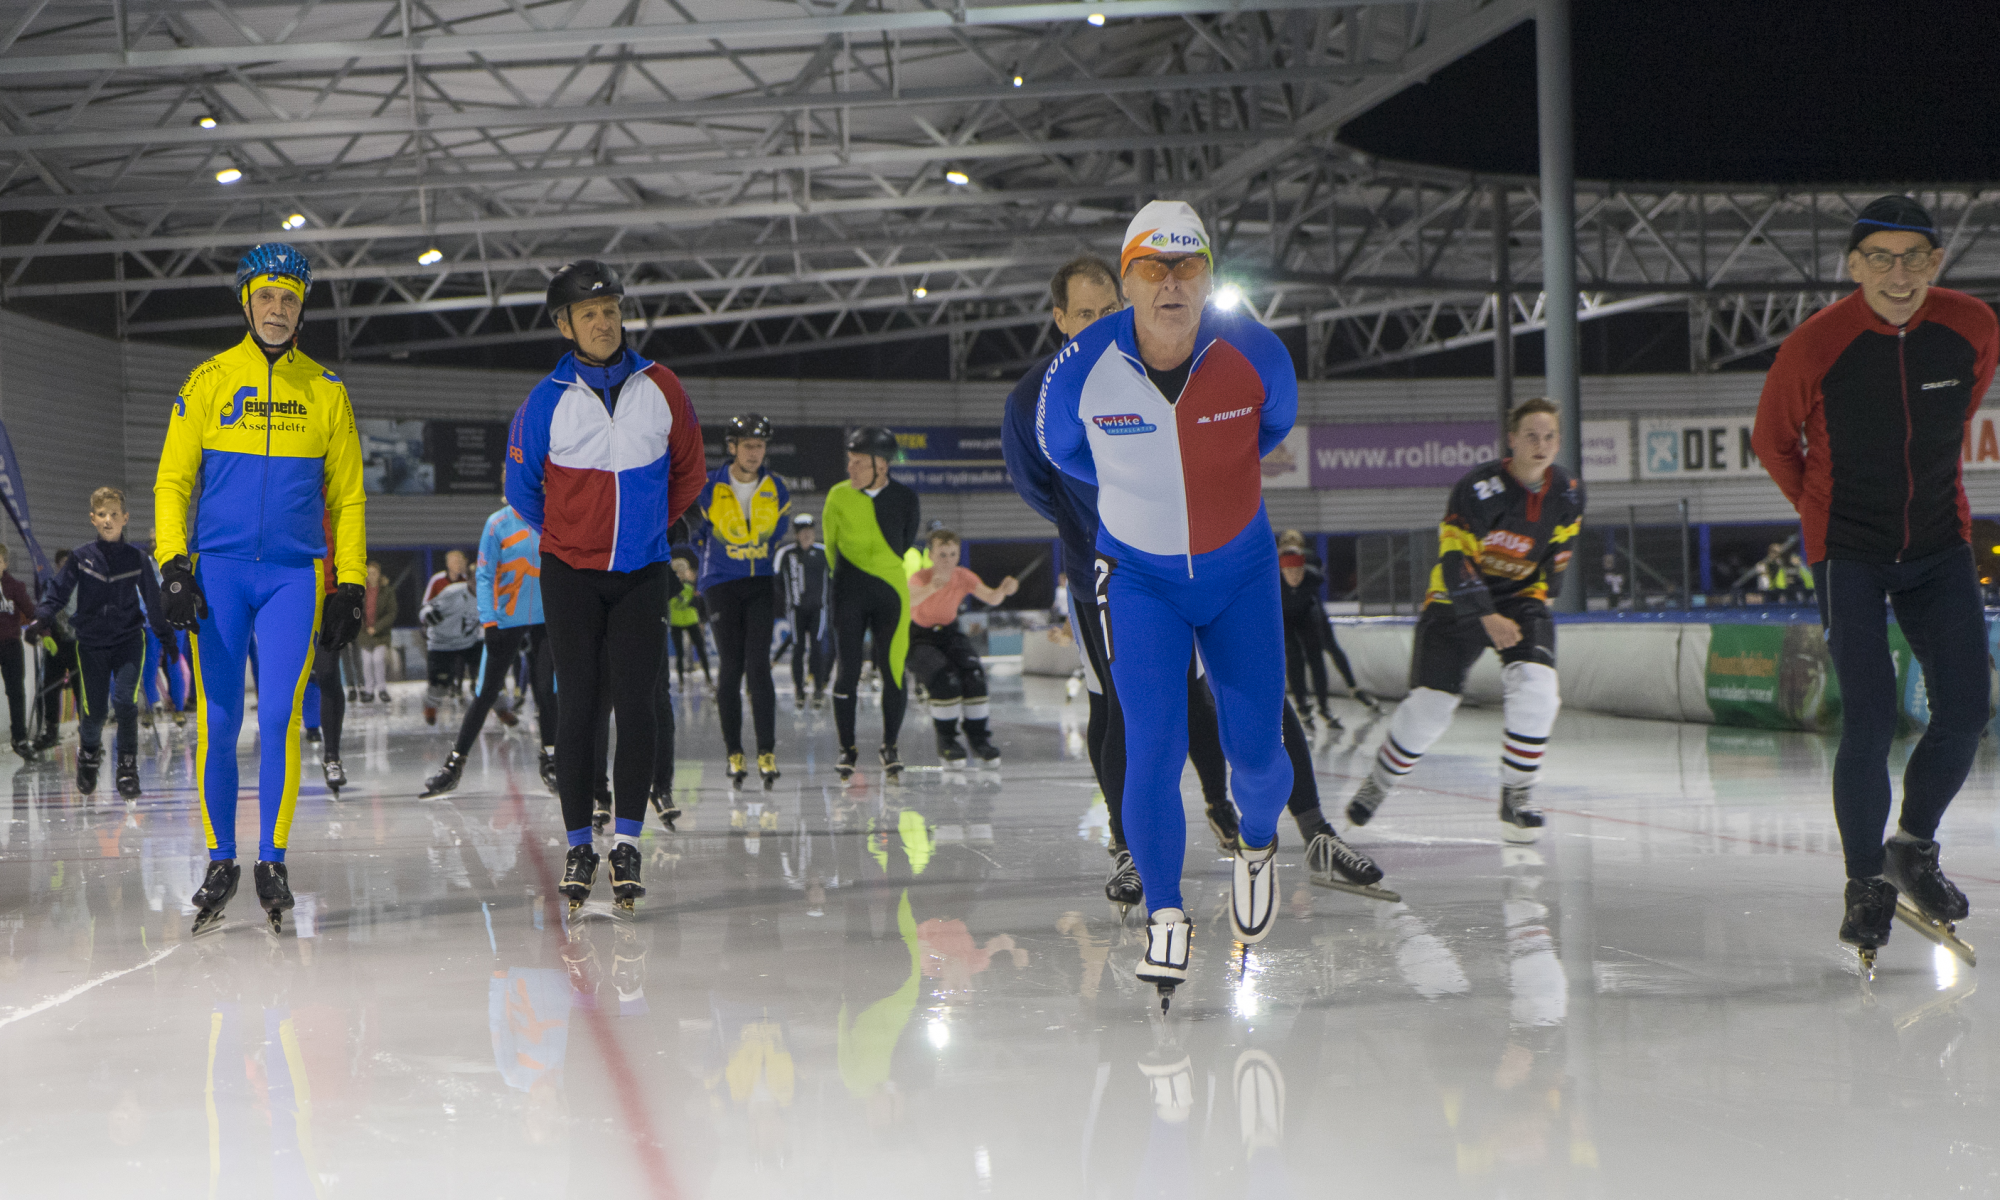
684,636
1937,606
10,669
663,726
110,686
863,604
332,701
503,650
1304,657
809,651
944,661
604,634
742,611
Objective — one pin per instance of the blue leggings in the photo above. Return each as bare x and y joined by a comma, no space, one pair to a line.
149,672
1153,622
280,606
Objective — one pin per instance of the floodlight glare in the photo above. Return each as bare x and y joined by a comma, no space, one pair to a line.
920,292
430,257
958,177
228,175
1095,18
1228,296
295,221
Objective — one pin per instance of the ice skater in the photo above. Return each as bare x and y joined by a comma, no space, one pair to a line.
805,593
266,436
942,657
1509,530
871,523
1167,409
1860,425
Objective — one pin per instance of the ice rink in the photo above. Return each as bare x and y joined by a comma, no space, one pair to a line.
919,991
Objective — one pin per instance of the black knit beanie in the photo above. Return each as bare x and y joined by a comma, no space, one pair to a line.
1892,212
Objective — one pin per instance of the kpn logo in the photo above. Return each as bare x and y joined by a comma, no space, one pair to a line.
1167,239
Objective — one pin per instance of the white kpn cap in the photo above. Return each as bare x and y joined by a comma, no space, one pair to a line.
1164,227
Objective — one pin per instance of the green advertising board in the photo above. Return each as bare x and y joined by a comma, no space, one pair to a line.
1781,677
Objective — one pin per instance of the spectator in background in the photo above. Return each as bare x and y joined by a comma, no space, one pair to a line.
378,619
450,616
17,605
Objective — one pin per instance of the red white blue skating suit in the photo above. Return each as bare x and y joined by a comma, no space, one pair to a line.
1185,558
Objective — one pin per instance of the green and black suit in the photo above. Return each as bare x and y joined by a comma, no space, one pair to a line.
866,538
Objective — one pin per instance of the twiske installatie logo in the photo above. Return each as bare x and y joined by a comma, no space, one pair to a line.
1123,423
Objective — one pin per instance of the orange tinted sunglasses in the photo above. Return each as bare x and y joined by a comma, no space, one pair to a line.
1156,270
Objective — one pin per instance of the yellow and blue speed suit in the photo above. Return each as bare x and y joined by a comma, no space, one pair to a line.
269,445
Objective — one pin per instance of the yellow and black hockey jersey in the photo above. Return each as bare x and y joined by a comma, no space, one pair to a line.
1500,541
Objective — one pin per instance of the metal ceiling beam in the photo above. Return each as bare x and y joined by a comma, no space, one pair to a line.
495,46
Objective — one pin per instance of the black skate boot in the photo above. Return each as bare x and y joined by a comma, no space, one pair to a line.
767,769
46,740
600,813
146,715
218,887
26,749
980,735
1871,906
1367,700
1367,798
1332,863
1306,718
1333,724
547,762
1911,866
87,762
446,779
663,807
579,872
1523,821
1123,888
274,893
1222,823
848,757
128,774
336,775
313,737
949,749
625,886
892,764
738,770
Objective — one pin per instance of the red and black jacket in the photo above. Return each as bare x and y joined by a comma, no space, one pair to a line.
1862,425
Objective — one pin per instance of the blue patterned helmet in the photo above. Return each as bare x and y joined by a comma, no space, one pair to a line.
276,261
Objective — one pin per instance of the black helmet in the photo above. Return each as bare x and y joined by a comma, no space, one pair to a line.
872,439
803,521
747,425
584,279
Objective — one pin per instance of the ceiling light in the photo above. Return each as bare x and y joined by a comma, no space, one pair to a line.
228,175
293,222
1095,19
1228,296
920,292
430,257
205,121
1018,81
958,177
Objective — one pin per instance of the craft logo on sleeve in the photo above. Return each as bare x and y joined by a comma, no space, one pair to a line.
1124,423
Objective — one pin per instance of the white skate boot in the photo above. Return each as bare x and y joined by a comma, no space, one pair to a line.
1253,895
1169,936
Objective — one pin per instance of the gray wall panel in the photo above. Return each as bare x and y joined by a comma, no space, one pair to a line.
62,397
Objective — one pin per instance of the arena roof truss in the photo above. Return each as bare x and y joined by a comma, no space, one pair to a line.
778,178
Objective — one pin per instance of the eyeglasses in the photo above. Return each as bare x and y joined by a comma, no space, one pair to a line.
1156,270
1913,261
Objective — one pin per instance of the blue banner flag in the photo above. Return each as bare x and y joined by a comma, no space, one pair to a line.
14,496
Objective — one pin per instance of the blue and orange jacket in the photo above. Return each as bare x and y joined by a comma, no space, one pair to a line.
508,578
735,544
270,446
601,460
1177,480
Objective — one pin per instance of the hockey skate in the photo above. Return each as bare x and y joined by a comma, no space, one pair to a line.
546,761
1253,893
738,770
1871,906
1169,938
336,775
218,887
128,774
446,779
767,769
87,762
274,893
625,886
986,752
1521,820
1367,799
1332,863
579,872
1123,888
663,807
949,750
845,764
892,764
1222,823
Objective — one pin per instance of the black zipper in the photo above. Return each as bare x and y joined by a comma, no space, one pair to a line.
1909,480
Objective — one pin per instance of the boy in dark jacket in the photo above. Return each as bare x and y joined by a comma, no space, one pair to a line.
111,579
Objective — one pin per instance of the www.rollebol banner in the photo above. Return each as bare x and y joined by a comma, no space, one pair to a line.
14,495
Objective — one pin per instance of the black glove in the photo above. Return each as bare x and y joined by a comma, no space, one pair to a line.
340,617
181,601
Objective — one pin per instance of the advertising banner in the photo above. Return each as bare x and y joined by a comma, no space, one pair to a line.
1772,677
392,459
1607,451
1400,454
468,458
1696,447
1982,444
1289,464
950,458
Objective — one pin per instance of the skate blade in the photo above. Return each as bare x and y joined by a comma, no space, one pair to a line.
207,925
1942,933
1359,889
1866,955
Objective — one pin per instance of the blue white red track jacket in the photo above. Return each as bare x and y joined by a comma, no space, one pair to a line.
508,579
1177,482
601,460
